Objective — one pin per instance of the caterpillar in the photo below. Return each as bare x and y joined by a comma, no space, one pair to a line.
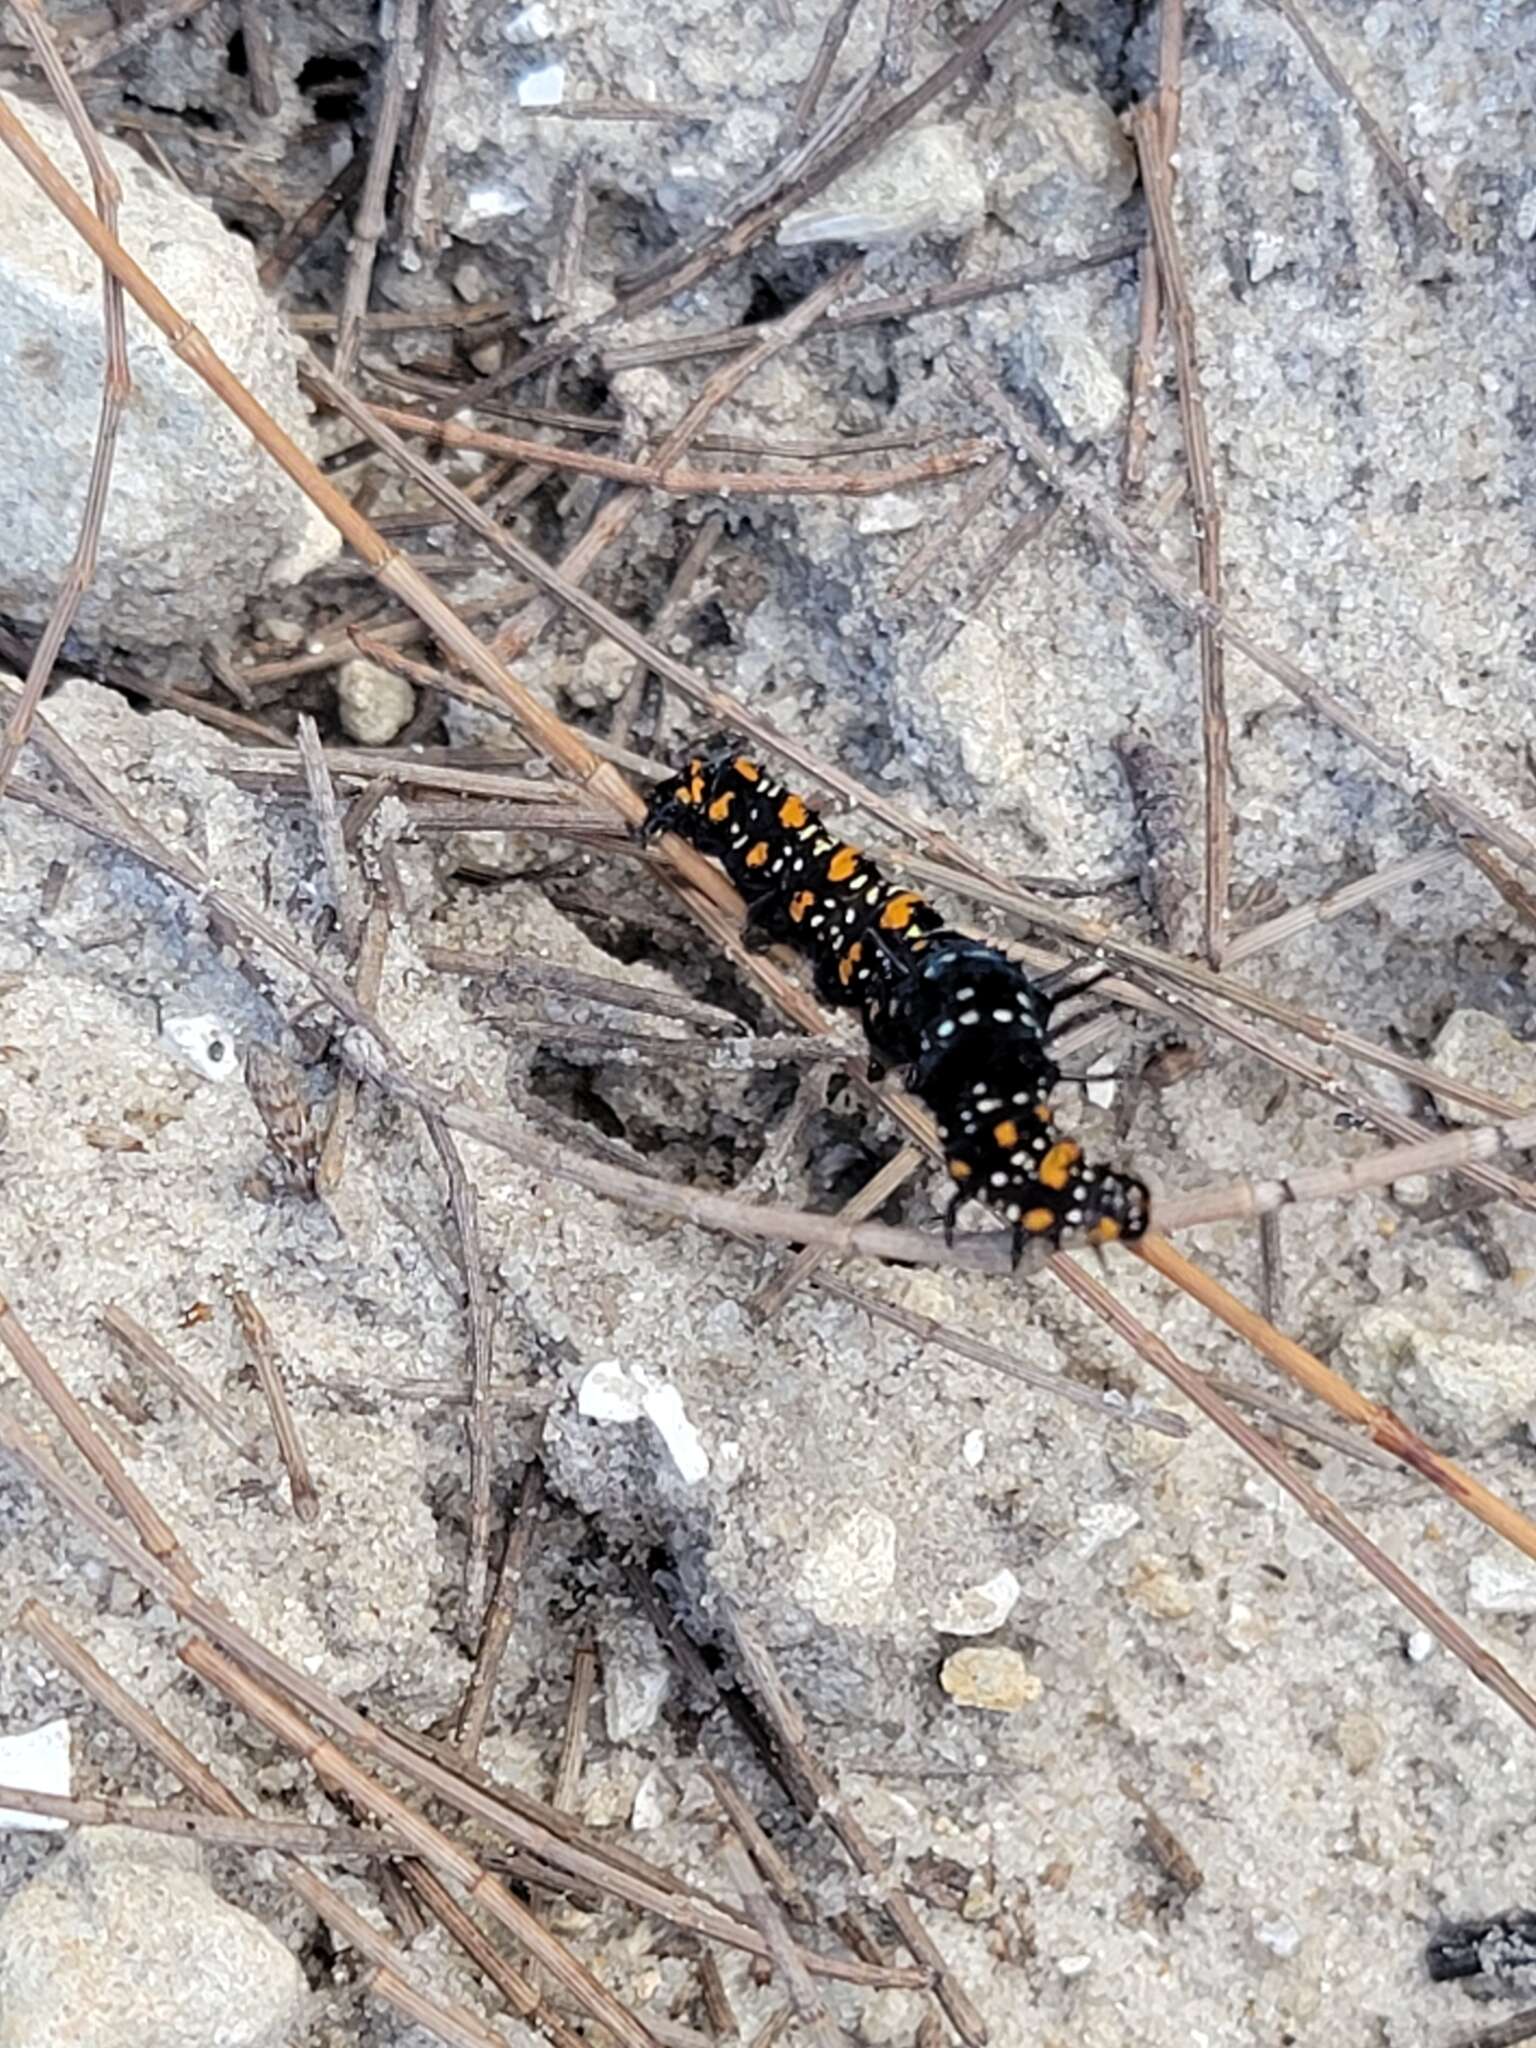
966,1025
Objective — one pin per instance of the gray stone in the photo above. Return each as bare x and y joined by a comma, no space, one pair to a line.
373,703
926,181
121,1943
1481,1051
1499,1583
1066,166
197,517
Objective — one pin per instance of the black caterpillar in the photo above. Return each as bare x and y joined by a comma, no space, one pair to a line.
966,1023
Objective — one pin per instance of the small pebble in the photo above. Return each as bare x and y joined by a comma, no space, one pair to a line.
1359,1740
994,1679
1155,1586
373,703
977,1610
1280,1936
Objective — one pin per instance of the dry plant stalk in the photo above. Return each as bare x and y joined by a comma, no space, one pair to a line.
1170,64
115,388
147,1524
368,228
395,1972
1150,130
535,1828
1300,1365
335,1770
147,1351
677,482
269,1374
1483,1665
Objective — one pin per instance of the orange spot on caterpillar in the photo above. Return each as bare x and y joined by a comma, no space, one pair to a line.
958,1170
843,863
800,904
1056,1167
720,808
757,854
849,961
897,914
792,812
1044,1111
1006,1133
1105,1231
1038,1221
747,770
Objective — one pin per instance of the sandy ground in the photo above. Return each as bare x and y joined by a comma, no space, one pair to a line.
1183,1639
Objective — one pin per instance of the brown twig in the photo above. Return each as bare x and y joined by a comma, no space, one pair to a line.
1349,896
411,199
573,1743
718,2010
501,1613
979,492
396,1973
689,568
367,977
659,476
1149,130
579,985
465,1211
256,34
1018,534
335,1769
333,850
368,226
894,306
116,386
1305,1370
817,1794
295,1837
1170,65
1196,1388
422,320
929,1330
269,1374
1506,2033
1237,1200
764,1915
311,223
832,39
148,1525
434,1896
736,1807
150,1353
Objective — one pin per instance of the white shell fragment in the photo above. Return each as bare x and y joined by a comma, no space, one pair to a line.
609,1393
205,1042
